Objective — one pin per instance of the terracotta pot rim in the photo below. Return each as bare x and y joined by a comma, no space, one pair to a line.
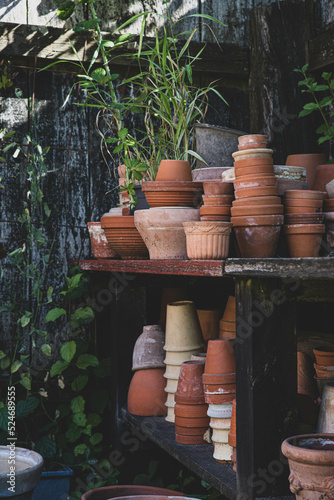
253,200
304,193
110,221
260,191
270,209
305,455
304,203
254,162
252,151
257,220
304,229
172,186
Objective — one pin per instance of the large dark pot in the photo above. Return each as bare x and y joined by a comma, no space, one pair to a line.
141,200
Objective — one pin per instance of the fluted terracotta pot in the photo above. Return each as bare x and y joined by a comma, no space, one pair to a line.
297,194
146,395
257,210
123,237
309,162
304,239
311,462
217,200
100,246
174,170
212,210
207,240
172,193
148,351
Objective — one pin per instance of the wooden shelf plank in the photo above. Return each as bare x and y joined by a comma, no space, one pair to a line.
321,49
198,458
177,267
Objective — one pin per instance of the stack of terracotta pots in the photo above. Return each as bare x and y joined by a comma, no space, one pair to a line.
191,420
123,236
256,212
219,380
304,222
324,365
227,325
146,395
232,435
183,338
217,200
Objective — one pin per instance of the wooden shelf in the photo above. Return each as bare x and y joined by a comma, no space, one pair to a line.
321,49
198,458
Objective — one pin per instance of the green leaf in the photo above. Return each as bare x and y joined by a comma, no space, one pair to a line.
65,10
86,360
111,140
46,446
320,88
86,25
108,44
79,383
79,419
311,105
98,74
94,419
80,449
2,354
96,438
73,433
49,294
305,112
58,367
26,381
123,133
15,366
84,313
68,350
25,320
54,314
118,148
4,363
26,407
78,404
46,349
47,211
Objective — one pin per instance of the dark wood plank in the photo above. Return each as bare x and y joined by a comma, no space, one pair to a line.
266,386
198,458
321,49
179,267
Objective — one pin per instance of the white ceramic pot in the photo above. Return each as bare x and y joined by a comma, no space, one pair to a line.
220,411
219,435
178,357
222,452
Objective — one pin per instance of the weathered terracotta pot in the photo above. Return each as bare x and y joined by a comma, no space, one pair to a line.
257,200
324,371
326,414
257,210
209,321
146,396
189,431
191,410
107,492
311,462
179,438
288,210
217,187
312,204
284,185
232,438
162,231
290,172
215,218
329,205
305,376
234,459
253,170
190,387
123,237
229,326
225,334
198,422
220,357
219,394
313,218
100,246
256,191
207,240
174,170
257,181
252,154
297,194
148,350
217,200
230,309
215,210
172,194
183,330
304,239
324,355
220,423
324,174
220,378
253,162
257,236
309,162
251,140
329,222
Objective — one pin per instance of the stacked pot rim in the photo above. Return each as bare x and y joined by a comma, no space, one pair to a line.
227,324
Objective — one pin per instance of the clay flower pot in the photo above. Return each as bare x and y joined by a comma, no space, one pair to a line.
148,350
191,411
209,321
190,387
324,355
301,210
305,203
303,194
146,396
254,162
313,218
230,310
217,186
189,431
256,191
215,218
172,193
284,185
257,181
257,210
253,170
219,394
324,371
311,462
257,200
183,330
305,376
174,170
123,237
220,357
220,378
232,438
162,231
304,239
218,210
228,326
252,154
179,438
309,162
199,356
324,174
326,414
100,246
329,205
217,200
257,236
179,357
251,141
207,240
198,422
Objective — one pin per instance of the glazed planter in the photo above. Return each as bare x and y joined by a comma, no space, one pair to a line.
148,350
146,395
190,387
100,246
309,162
207,240
257,200
257,236
162,231
220,358
215,144
324,355
174,170
257,210
172,193
324,174
183,330
252,154
326,414
116,491
304,239
53,485
123,237
311,462
256,191
209,321
217,187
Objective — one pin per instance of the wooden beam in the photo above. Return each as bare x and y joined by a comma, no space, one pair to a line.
321,49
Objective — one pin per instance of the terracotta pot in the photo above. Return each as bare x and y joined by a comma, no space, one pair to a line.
257,210
194,422
253,162
227,326
222,452
232,438
257,181
252,154
252,177
174,170
162,231
214,210
324,174
219,378
107,492
211,389
183,330
190,431
234,459
257,200
289,172
178,357
198,356
218,397
255,145
217,186
326,414
284,185
207,240
251,139
258,220
220,411
100,246
201,174
309,162
225,334
179,438
230,309
297,194
301,210
313,218
324,371
304,239
146,396
215,218
303,203
172,194
190,387
220,357
191,411
253,170
256,191
148,350
257,241
311,462
217,200
209,321
324,355
305,376
170,294
123,237
329,205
